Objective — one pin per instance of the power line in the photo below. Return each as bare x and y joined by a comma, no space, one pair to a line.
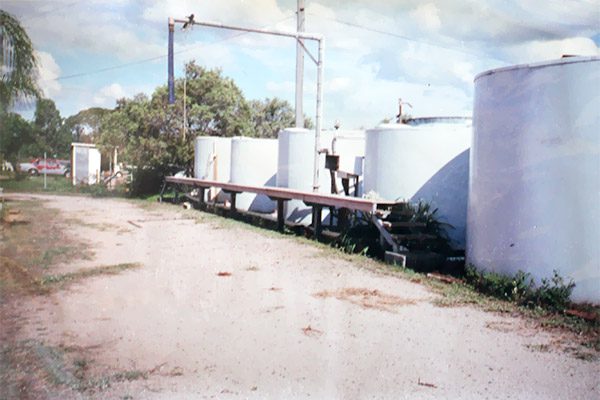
403,37
150,59
53,10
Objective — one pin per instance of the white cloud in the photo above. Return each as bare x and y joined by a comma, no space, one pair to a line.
428,16
97,30
282,88
48,71
108,95
536,51
255,12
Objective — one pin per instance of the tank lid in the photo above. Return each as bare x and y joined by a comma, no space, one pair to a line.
394,127
296,130
551,63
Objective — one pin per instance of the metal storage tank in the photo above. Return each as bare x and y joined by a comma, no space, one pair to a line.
212,161
425,162
534,197
254,162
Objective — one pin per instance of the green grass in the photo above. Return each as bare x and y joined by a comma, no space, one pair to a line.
57,185
60,280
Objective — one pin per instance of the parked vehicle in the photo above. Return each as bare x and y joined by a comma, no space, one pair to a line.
51,167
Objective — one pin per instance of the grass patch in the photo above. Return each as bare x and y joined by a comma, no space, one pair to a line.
552,294
29,250
35,184
58,185
37,370
100,227
59,281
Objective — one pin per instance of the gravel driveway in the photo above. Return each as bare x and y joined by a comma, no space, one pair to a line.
219,310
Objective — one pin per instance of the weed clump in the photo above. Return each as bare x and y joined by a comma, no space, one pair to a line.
552,294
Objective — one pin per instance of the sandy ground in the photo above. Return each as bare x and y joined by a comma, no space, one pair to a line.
291,320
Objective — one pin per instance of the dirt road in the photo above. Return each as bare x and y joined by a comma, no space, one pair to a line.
216,310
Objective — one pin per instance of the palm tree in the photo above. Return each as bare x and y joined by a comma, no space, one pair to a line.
17,63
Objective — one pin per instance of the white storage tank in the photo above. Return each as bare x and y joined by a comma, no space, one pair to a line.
296,147
254,162
85,163
534,198
427,162
212,161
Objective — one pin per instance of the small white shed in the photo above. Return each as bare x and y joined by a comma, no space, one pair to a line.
85,163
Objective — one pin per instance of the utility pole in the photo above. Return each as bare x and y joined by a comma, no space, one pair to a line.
300,66
184,105
170,62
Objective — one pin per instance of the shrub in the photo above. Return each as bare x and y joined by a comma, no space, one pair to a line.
552,294
422,212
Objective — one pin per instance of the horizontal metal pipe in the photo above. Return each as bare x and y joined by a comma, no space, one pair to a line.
296,35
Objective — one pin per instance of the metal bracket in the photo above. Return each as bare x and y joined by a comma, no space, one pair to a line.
301,43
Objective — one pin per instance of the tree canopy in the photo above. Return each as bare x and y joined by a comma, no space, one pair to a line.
18,73
149,131
20,138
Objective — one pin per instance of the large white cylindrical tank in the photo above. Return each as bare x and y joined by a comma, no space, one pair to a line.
212,161
426,162
212,158
254,162
534,197
296,148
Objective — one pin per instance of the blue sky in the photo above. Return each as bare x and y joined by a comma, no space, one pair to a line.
426,52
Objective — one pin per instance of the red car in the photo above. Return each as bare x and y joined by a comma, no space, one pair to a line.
51,167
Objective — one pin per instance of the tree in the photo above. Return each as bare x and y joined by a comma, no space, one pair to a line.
51,136
216,106
18,72
270,116
15,135
149,131
85,125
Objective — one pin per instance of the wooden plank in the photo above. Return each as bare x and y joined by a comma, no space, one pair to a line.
413,236
353,203
403,224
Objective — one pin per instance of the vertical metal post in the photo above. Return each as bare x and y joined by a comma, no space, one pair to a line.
319,117
45,169
184,105
116,159
170,62
299,66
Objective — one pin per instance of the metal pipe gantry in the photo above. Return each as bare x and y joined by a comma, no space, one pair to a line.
298,36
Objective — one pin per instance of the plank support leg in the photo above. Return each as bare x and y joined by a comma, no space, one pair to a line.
280,216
